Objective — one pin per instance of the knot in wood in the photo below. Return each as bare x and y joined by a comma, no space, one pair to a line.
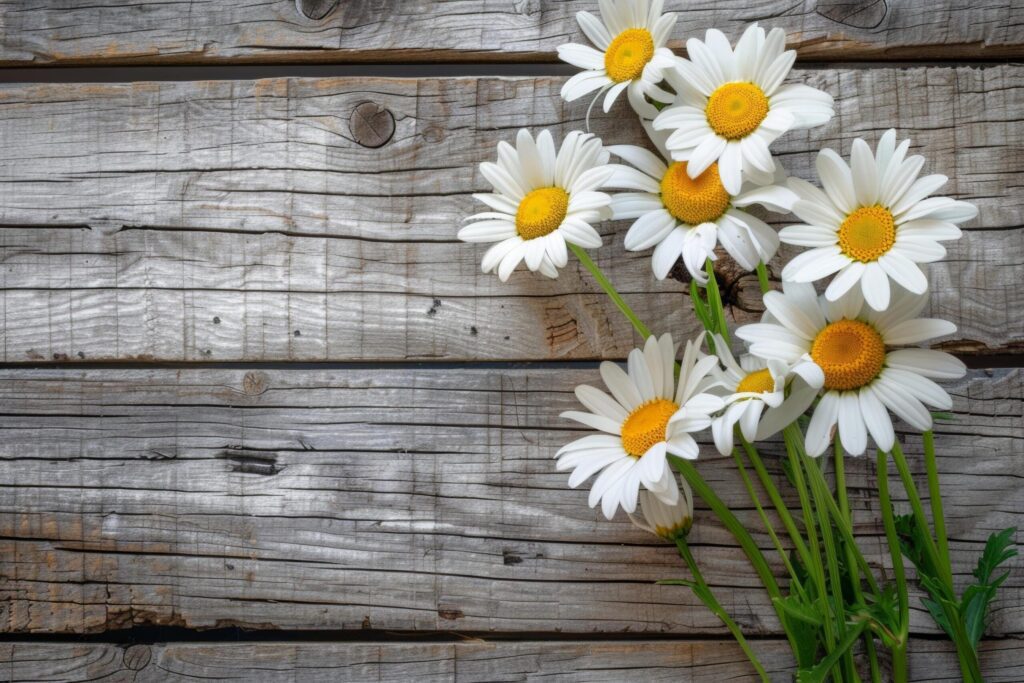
315,9
862,14
372,125
136,657
739,288
254,383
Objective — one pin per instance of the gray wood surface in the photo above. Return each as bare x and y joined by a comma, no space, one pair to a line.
224,221
150,31
469,660
392,499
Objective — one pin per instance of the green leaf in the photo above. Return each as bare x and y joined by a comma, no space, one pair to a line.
793,607
974,605
819,671
998,549
884,612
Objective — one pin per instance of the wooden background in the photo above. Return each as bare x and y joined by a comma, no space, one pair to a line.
262,417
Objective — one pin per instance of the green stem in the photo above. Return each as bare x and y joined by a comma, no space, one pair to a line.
715,301
851,550
610,290
792,438
847,533
756,500
820,493
935,499
762,278
709,600
731,522
780,505
899,652
918,509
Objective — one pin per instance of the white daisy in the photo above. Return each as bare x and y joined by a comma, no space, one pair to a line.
647,416
680,216
756,397
872,223
730,105
631,36
670,522
540,202
864,374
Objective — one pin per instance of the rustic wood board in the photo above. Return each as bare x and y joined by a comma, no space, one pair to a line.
240,220
203,31
466,661
390,499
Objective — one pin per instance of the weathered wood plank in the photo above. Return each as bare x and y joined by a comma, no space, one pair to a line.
240,221
148,31
390,499
465,661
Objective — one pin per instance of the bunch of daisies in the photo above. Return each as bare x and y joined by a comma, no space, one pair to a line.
836,358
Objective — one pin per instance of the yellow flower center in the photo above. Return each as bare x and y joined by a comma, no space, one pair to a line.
541,212
850,353
757,382
628,54
694,200
735,110
646,425
867,233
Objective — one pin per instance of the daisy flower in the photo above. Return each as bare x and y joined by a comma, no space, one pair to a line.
670,522
647,416
631,36
755,396
865,374
683,216
540,202
730,105
872,223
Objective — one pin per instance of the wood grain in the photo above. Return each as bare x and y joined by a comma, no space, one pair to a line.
464,662
392,499
205,31
231,221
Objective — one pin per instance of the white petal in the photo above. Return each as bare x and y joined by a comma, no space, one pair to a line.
926,362
594,29
852,432
641,375
649,230
898,400
815,264
646,161
598,422
837,178
667,252
876,419
844,280
488,231
705,154
808,236
613,94
904,272
620,385
875,285
730,167
584,83
600,403
819,432
864,172
498,252
921,388
597,462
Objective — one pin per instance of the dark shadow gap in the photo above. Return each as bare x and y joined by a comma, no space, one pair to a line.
150,635
997,361
206,72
